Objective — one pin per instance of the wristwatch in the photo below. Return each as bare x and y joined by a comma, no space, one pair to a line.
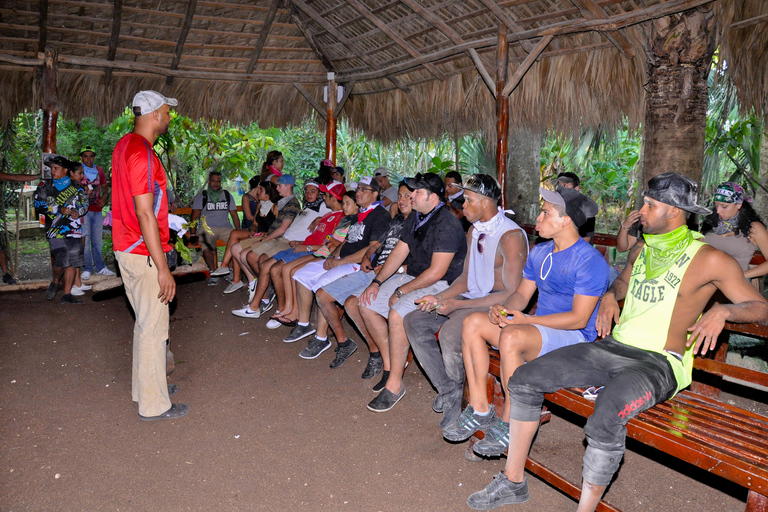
377,282
398,293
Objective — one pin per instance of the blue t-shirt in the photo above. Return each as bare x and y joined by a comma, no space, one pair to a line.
578,270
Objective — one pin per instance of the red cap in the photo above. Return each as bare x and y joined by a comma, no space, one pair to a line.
335,188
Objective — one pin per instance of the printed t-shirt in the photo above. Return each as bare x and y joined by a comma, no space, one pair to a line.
441,233
49,201
389,240
370,225
93,188
216,213
322,232
578,270
136,170
299,228
289,211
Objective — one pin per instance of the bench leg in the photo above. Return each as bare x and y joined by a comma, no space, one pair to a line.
757,502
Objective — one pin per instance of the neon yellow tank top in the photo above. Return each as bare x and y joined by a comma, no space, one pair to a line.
648,308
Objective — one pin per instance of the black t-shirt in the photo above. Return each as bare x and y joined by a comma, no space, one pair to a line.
441,233
389,240
360,234
587,230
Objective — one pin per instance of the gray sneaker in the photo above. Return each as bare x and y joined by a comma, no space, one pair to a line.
213,281
437,403
469,423
495,442
265,306
343,352
315,347
373,367
299,332
499,492
385,400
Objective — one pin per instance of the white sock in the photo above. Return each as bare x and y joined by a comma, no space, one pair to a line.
303,324
265,301
486,413
324,338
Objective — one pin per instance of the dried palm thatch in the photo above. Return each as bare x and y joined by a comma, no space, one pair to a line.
413,65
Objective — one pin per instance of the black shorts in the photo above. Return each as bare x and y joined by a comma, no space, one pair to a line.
66,252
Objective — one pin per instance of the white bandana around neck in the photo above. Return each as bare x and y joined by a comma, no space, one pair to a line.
264,207
489,227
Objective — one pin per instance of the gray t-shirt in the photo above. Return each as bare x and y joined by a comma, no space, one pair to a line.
391,194
216,214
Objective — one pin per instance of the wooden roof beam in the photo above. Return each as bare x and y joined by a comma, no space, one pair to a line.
309,11
347,91
506,20
117,16
263,36
525,66
591,11
312,101
301,24
42,35
182,38
359,7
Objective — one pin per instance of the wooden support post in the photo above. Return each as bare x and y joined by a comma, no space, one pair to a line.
330,133
50,100
502,112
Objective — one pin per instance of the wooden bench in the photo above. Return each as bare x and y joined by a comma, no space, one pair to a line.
694,426
188,211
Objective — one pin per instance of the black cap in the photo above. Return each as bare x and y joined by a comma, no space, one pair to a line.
482,184
427,180
577,206
676,190
569,178
61,161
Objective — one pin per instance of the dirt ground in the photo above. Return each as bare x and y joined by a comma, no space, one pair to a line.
266,431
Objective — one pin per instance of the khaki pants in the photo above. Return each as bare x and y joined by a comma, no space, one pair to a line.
270,247
148,385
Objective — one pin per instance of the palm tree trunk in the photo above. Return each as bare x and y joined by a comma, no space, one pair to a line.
523,163
679,51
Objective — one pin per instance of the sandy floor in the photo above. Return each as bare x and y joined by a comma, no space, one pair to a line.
267,430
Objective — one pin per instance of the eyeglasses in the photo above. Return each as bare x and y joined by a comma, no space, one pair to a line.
480,243
362,189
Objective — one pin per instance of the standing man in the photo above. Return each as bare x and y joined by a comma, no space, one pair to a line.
140,239
95,185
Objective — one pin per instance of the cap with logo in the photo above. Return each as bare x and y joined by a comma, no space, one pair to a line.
577,206
428,181
87,149
730,192
335,188
370,182
146,102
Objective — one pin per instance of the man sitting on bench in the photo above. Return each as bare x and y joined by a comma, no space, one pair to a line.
570,276
649,357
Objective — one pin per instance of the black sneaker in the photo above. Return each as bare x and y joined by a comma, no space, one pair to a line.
374,366
176,411
495,442
315,347
172,389
385,400
499,492
8,279
52,290
343,351
68,298
469,423
299,332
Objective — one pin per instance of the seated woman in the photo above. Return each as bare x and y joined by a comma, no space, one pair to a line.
736,229
259,210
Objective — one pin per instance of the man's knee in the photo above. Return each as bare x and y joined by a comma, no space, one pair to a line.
323,298
513,339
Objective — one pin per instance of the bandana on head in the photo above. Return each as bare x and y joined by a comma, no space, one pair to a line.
730,192
663,250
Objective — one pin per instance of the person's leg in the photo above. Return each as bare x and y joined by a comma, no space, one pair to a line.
276,276
264,281
476,331
210,262
304,298
517,345
398,352
352,308
97,227
252,263
69,279
329,313
242,260
378,332
87,237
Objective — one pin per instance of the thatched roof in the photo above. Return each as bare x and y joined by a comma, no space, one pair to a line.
412,65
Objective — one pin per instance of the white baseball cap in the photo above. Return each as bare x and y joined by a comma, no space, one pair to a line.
146,102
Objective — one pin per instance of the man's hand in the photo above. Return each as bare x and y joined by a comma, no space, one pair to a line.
392,299
167,286
313,224
103,201
705,331
511,317
331,263
633,217
369,295
365,265
294,243
607,312
447,306
427,303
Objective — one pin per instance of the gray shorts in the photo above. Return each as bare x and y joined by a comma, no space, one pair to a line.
67,252
552,339
406,303
352,284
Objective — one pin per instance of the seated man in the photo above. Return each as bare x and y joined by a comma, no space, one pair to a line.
435,245
649,357
497,249
215,205
570,276
372,222
389,194
346,290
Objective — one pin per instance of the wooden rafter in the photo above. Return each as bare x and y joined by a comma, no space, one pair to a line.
483,72
347,91
312,101
359,7
302,25
309,11
591,11
503,17
182,38
117,16
263,36
525,66
42,35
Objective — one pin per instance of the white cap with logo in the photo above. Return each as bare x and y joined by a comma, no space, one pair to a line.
146,102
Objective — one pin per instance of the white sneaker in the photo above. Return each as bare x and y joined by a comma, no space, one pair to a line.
273,324
106,272
84,287
76,291
246,312
85,276
252,290
221,271
233,287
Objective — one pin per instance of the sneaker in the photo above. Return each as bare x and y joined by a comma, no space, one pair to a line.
213,281
176,411
251,290
52,290
76,291
374,367
8,279
85,275
245,312
299,332
385,400
469,423
232,288
495,442
499,492
220,272
315,347
106,272
266,306
343,351
273,324
85,287
437,403
67,298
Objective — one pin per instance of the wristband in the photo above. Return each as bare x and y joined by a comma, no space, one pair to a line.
377,282
622,227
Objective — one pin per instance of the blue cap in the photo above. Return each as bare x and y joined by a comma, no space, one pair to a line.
286,179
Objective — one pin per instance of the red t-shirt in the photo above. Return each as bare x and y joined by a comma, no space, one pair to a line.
324,228
136,170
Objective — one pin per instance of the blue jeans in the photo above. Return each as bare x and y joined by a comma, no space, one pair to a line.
634,380
93,224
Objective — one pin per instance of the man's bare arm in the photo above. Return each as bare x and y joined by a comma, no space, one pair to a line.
608,312
150,231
